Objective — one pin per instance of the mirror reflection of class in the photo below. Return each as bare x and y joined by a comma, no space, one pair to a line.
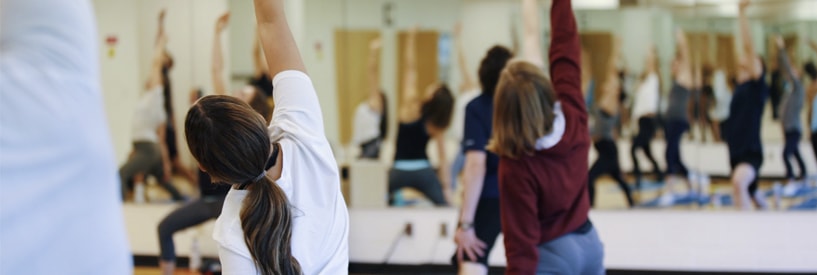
474,132
660,95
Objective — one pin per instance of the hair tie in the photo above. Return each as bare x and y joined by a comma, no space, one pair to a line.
260,176
256,179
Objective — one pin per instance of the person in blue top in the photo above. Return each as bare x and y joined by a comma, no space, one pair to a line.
479,223
745,113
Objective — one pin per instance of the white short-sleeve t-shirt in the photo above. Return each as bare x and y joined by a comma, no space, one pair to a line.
149,115
366,124
311,181
60,205
646,98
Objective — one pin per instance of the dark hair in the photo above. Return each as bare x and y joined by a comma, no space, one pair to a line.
437,110
491,66
810,70
230,142
384,116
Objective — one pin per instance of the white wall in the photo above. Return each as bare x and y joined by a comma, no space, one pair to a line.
120,73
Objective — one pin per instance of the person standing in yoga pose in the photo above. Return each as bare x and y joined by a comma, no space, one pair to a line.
150,154
677,117
645,110
607,114
790,111
479,223
422,117
540,134
745,113
285,213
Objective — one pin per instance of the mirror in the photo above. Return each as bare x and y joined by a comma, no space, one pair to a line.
357,82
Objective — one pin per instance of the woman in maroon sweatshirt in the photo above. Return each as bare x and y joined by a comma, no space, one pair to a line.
540,134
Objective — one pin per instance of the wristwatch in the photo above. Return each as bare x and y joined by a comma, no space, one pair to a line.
465,225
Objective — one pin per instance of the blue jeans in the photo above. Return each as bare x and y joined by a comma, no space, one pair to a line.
573,253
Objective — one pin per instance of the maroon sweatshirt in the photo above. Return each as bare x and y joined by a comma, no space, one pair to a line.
544,196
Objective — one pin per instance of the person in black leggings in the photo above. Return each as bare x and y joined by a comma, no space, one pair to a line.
677,118
745,115
645,109
606,117
421,118
207,207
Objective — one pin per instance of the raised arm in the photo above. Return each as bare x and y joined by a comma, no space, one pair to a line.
612,87
468,82
279,45
683,75
532,37
652,60
155,77
813,45
565,60
746,40
374,74
217,69
411,97
259,64
784,62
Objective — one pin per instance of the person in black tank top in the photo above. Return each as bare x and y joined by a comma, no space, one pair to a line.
421,118
746,111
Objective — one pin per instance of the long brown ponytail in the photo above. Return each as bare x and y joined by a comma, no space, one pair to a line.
230,142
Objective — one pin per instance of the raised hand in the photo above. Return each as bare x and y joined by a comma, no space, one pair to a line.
376,44
162,16
222,22
743,5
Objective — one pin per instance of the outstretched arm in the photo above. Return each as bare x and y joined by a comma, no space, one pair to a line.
683,75
155,77
411,98
259,64
467,81
652,60
813,45
746,40
612,87
784,62
565,60
375,100
218,60
532,37
279,45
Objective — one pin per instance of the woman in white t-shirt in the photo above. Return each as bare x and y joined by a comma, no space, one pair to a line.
371,116
285,213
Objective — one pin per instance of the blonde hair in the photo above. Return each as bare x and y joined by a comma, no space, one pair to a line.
523,110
